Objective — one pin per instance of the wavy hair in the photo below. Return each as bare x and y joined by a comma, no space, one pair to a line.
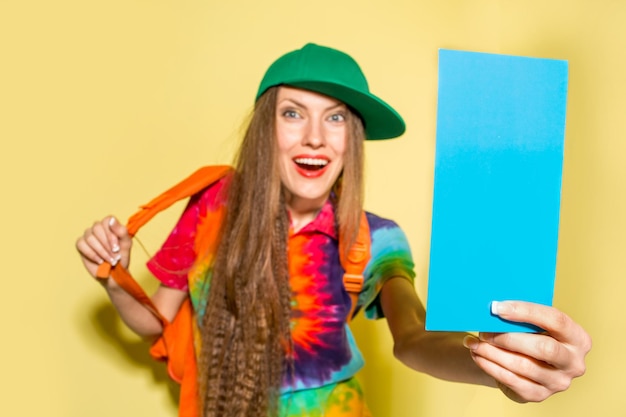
245,336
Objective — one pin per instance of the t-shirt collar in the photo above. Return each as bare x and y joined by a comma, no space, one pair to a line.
324,222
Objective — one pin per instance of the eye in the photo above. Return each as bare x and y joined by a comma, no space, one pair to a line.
337,117
291,114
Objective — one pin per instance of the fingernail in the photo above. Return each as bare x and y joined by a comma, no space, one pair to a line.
111,221
115,260
115,248
470,342
499,308
495,305
485,337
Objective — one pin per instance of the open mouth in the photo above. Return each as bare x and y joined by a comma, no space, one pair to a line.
311,164
311,167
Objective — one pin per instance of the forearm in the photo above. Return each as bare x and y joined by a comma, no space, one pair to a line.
442,355
526,366
133,313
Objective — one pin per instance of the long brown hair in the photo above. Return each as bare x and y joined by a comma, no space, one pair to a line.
245,329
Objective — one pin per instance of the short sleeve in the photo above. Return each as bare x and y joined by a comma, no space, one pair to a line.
176,257
390,257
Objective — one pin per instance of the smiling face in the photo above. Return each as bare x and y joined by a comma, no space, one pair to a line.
311,130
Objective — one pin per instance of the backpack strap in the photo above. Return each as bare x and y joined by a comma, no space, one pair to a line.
354,263
191,185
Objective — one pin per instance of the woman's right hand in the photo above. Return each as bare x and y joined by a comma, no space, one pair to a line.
107,240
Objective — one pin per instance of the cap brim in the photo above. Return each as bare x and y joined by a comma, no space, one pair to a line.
380,119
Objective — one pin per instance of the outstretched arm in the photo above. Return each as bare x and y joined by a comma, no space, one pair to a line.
525,366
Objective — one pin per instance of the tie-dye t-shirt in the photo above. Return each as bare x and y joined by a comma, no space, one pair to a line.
324,348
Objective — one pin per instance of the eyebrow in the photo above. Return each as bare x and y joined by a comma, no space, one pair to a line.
297,103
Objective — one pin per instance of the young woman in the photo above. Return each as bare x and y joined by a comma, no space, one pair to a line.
266,284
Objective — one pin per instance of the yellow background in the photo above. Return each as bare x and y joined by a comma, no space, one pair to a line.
105,103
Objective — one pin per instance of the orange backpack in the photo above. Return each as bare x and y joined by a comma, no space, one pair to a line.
175,346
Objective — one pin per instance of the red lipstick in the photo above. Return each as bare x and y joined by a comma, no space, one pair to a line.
311,166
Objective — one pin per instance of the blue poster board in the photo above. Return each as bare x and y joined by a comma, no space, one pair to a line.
497,190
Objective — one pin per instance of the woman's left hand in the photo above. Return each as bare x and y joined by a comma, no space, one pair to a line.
532,366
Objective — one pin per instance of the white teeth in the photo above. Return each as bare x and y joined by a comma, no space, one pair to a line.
311,161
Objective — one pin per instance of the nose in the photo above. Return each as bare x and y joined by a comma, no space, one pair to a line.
314,135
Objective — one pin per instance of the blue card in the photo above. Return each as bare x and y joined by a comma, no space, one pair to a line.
497,190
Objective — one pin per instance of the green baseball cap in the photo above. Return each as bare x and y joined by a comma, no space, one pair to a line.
335,74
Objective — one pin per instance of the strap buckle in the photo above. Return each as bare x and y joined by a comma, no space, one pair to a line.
353,282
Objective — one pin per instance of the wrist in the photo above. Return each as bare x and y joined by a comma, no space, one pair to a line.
108,283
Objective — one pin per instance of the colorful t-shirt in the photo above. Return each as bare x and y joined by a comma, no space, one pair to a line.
325,352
